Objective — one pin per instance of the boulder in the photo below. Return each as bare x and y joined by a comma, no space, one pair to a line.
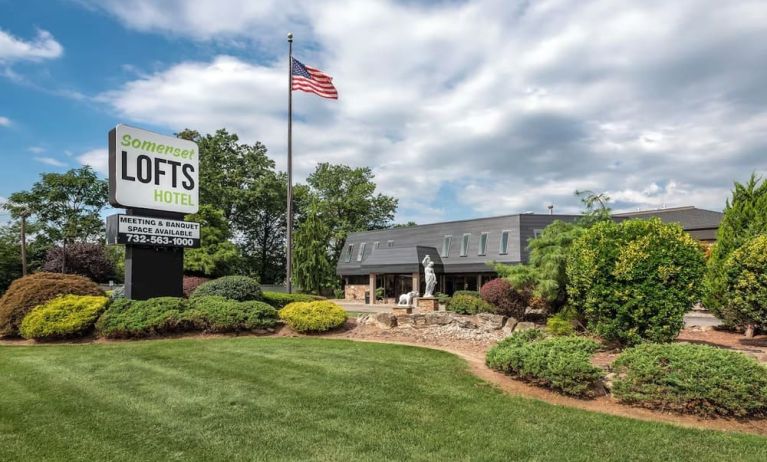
522,326
508,328
385,320
438,318
490,321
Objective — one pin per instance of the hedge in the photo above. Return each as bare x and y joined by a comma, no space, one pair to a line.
240,288
633,281
560,363
136,318
464,303
63,317
688,378
280,299
319,316
219,314
30,291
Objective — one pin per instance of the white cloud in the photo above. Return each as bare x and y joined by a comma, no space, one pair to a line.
98,159
50,161
43,46
36,149
5,121
502,108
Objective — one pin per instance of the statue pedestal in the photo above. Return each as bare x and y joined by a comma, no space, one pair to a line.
428,304
402,309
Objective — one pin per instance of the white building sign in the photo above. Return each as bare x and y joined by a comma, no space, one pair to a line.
152,171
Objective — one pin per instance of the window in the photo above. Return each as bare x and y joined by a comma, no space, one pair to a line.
465,244
482,244
504,243
361,252
349,252
389,243
446,246
537,233
376,244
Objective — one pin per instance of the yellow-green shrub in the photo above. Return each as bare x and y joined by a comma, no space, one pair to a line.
62,317
319,316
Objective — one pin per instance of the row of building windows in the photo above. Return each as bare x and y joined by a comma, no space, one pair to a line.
447,241
503,248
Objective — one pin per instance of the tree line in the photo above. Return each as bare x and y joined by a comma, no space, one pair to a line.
242,211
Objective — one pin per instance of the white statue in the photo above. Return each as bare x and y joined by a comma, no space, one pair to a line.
431,278
407,299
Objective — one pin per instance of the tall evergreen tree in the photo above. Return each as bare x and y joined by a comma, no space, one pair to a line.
745,216
312,269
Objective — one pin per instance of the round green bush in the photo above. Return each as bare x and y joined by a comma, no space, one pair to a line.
33,290
280,299
560,363
317,316
126,318
469,304
240,288
218,314
746,276
63,317
687,378
633,281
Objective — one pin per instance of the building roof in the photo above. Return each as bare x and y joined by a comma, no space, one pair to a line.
401,250
690,218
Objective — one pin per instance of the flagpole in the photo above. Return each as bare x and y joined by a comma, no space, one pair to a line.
290,164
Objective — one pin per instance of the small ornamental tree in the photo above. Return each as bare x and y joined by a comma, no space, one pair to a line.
83,258
633,281
746,293
506,300
745,216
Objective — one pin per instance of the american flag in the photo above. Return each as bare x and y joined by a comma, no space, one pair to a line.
311,80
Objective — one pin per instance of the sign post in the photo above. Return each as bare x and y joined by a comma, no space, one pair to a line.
156,179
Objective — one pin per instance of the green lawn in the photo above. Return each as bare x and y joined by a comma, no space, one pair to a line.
253,398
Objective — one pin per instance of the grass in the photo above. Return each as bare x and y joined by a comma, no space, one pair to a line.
252,398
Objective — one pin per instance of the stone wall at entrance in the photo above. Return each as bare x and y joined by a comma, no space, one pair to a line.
355,291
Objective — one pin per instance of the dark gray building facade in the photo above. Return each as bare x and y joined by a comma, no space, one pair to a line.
463,251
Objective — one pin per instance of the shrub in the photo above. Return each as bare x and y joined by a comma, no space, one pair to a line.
471,293
339,294
117,292
141,318
92,261
36,289
696,379
442,298
240,288
745,216
280,300
561,363
633,281
469,304
190,283
559,325
746,275
63,317
319,316
219,314
506,300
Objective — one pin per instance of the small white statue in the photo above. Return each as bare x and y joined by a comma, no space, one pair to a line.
431,278
407,299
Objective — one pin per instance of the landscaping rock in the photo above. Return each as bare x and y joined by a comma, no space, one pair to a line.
489,321
523,326
438,318
608,381
385,320
508,328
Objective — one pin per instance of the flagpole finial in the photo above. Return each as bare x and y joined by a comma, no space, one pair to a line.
290,36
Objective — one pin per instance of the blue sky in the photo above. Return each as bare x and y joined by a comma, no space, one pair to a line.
463,109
